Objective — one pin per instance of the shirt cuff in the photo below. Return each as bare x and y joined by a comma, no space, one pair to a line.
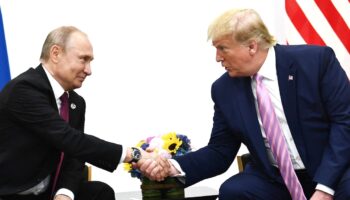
66,192
325,189
122,158
182,174
177,166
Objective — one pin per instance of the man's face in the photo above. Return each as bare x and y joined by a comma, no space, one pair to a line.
74,64
235,57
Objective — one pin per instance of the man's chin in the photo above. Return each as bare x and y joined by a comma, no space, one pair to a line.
232,74
235,75
78,85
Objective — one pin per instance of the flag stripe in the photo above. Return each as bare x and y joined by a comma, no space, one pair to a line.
336,21
302,24
343,7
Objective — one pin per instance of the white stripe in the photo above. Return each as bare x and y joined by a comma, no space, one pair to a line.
280,16
293,36
343,7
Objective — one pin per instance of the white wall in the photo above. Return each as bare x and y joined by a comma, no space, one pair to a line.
153,66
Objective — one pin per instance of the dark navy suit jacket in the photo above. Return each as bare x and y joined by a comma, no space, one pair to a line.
316,101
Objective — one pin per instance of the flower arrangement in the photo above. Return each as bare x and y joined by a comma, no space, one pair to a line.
167,145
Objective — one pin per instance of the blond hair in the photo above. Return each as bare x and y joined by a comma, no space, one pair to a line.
244,25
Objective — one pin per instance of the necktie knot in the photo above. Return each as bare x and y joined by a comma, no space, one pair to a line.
258,78
64,98
64,110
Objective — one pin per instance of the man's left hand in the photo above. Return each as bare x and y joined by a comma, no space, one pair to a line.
62,197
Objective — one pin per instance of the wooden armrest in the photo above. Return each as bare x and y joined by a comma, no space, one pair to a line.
87,172
242,160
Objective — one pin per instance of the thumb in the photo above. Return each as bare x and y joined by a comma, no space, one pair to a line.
150,149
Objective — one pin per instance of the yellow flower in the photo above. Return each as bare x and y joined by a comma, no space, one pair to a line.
127,167
171,142
140,143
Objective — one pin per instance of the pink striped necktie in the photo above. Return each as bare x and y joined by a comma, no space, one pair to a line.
277,141
64,112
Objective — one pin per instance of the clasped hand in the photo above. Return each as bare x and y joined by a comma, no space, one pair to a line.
154,166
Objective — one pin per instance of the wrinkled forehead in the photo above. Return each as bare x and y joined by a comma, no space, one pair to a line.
80,42
78,39
227,39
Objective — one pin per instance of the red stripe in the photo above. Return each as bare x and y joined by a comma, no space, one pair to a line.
336,21
302,24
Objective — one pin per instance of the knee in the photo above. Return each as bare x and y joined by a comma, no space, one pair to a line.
109,192
106,192
230,190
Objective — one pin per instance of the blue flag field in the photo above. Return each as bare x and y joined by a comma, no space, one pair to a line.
4,62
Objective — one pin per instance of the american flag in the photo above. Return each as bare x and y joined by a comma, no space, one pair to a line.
321,22
4,63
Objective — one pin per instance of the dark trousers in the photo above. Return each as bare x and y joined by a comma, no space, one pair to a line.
253,184
89,190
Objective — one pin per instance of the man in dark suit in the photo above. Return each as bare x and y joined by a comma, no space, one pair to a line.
310,95
33,135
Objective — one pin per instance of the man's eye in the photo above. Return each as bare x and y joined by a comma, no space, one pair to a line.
84,59
221,48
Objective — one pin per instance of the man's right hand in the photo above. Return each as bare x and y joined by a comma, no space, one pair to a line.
153,166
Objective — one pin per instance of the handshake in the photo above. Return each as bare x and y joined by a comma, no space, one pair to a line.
152,165
151,157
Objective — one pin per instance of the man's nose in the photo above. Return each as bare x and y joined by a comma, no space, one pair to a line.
87,69
218,57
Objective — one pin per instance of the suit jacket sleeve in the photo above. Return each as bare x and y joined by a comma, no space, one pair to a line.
217,156
335,93
30,105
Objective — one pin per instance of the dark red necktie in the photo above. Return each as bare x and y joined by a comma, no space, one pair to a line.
64,112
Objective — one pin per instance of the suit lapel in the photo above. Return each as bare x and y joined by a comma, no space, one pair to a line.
73,109
47,85
287,81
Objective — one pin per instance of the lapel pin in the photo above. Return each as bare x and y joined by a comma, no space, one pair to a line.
73,106
290,78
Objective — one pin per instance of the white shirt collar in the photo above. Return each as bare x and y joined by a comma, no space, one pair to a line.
268,69
56,87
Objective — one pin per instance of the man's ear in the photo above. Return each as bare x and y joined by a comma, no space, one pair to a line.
253,47
55,52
